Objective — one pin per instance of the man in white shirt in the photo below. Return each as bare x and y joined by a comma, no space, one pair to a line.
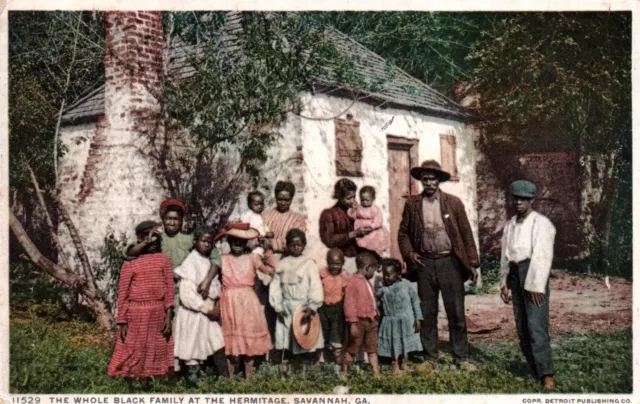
527,254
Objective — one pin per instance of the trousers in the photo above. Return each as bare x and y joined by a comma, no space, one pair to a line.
435,276
532,322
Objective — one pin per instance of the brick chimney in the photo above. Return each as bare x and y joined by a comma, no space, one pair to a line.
133,70
119,185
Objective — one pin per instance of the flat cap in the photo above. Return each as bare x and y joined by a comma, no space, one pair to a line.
146,225
523,189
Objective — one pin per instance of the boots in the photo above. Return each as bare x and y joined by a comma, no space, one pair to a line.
249,368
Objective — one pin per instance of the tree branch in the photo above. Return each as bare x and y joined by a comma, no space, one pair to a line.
54,236
77,242
61,274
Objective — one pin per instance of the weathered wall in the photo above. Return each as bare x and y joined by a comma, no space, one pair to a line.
596,183
108,182
558,197
318,138
284,163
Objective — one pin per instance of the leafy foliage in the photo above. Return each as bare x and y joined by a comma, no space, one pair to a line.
54,57
72,357
245,85
108,269
566,74
430,46
29,286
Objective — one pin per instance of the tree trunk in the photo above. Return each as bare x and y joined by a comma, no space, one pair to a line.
94,299
77,242
62,258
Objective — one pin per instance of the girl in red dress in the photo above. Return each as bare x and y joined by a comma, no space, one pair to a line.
243,322
144,346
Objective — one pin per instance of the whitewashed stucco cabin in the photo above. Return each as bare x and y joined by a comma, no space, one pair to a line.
399,126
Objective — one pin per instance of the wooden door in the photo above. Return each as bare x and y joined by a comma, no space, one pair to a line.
402,155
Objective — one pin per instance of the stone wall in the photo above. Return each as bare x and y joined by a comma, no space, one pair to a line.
556,176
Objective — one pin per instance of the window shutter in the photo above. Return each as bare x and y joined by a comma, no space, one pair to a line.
448,155
348,148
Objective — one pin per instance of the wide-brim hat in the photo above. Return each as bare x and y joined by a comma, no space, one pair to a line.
307,332
433,166
239,230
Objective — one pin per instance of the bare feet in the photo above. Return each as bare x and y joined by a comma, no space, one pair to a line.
395,368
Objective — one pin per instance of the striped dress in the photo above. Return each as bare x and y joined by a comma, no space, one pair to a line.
145,291
280,224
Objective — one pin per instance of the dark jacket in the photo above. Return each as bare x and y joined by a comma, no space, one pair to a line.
335,227
455,222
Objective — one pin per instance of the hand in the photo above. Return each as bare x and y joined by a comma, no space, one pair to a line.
360,232
153,236
307,314
505,294
417,326
474,276
166,324
213,315
123,331
203,287
366,229
265,244
537,298
414,258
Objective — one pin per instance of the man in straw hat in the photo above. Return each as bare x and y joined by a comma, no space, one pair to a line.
436,241
527,254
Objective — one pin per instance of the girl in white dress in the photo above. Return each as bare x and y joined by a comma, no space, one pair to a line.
198,334
296,282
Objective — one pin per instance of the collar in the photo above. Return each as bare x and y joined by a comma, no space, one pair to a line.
524,219
434,197
324,272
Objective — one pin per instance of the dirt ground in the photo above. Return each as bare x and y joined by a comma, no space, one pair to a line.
578,304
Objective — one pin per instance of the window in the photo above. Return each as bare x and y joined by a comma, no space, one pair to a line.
348,148
448,156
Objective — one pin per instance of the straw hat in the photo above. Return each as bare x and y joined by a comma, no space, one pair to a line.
430,165
239,230
307,332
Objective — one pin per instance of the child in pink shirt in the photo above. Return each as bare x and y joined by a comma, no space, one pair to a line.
361,313
368,214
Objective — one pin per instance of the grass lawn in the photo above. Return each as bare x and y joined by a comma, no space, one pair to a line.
72,356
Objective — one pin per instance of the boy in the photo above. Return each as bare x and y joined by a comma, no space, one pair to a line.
527,254
334,282
361,313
